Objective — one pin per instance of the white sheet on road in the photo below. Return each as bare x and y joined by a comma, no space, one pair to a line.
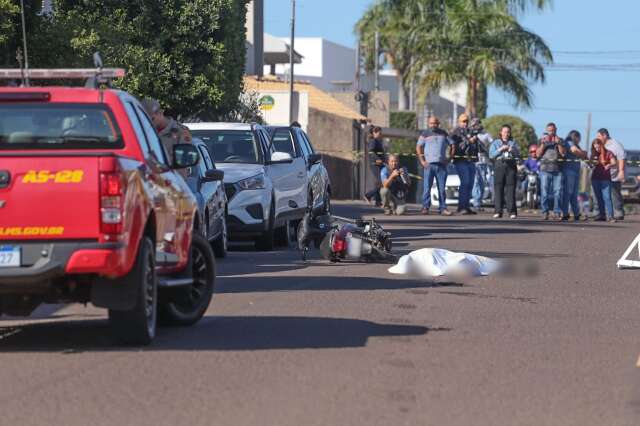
435,262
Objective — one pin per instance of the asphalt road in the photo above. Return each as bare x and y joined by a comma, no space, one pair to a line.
287,343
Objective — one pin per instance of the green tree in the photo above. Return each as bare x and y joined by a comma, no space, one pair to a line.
482,44
522,132
444,42
189,54
8,11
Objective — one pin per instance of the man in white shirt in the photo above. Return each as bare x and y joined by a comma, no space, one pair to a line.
617,171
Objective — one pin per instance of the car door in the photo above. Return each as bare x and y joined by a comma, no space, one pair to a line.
317,174
174,241
292,176
214,196
156,186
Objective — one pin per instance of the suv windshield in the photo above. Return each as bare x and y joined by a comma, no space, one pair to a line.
231,146
58,126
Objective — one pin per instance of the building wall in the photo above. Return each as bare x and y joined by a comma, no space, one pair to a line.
332,136
323,63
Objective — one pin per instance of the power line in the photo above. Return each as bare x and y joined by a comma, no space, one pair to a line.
561,109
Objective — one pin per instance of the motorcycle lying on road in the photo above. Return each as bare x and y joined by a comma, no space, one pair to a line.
341,239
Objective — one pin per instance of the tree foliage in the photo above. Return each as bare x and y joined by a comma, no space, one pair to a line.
444,42
189,54
522,132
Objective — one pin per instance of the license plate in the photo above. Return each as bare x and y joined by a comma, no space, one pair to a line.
9,256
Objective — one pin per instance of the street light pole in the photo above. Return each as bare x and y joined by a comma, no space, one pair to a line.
291,58
24,43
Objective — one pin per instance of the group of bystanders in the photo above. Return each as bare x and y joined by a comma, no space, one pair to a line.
474,154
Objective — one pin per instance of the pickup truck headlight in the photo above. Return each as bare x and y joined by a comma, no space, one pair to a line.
253,182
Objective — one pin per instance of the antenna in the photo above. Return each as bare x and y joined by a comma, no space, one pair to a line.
24,43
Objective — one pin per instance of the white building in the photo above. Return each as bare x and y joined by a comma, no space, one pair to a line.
332,68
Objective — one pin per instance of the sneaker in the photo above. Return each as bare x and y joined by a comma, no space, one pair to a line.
599,219
513,216
424,211
497,216
612,220
545,216
446,212
564,218
388,212
468,212
367,200
619,218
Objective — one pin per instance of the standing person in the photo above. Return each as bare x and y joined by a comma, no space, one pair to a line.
481,180
617,171
377,154
505,153
550,151
465,153
432,149
605,161
571,174
395,186
531,166
169,130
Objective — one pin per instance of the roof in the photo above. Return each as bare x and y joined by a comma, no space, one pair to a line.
277,51
318,99
218,126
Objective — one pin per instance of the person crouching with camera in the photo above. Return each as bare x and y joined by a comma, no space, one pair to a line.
395,186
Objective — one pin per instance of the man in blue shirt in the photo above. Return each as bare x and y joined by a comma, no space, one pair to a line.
395,186
433,149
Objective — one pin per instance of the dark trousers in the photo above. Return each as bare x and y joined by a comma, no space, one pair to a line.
505,178
374,192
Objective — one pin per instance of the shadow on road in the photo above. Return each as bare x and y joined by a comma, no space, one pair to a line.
244,284
242,333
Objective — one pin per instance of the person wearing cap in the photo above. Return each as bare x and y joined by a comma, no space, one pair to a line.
433,149
617,171
482,179
550,151
169,130
531,165
465,153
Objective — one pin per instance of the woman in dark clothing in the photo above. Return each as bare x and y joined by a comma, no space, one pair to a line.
505,152
377,156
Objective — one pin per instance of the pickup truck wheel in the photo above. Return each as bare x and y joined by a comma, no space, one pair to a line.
266,241
188,304
138,325
220,244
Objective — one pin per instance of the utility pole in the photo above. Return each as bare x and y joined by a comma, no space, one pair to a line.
376,57
291,59
357,78
24,43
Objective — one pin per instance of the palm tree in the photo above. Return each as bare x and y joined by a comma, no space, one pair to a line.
442,42
482,43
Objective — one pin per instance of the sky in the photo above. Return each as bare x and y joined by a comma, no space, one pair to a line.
578,32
